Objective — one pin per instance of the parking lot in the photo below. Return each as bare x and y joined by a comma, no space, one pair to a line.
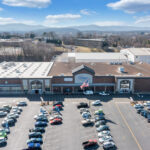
130,131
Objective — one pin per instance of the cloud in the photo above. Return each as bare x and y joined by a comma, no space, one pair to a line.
131,6
27,3
12,20
1,9
87,12
143,20
63,16
53,19
109,23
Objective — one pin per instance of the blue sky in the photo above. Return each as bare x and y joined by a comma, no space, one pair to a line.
56,13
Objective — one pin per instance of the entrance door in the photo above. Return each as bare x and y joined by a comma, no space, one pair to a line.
36,86
125,86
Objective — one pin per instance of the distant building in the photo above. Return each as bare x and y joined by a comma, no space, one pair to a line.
92,43
137,54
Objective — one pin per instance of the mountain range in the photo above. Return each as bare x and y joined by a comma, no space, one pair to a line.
64,30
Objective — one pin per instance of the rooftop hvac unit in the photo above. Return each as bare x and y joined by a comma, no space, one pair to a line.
62,74
139,74
121,69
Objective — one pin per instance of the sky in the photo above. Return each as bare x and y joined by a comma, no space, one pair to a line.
64,13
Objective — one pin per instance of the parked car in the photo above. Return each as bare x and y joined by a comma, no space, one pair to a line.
99,112
147,104
42,119
7,130
3,133
14,115
148,117
35,140
144,113
35,135
102,128
3,141
87,122
9,122
103,93
89,144
100,122
10,117
136,106
16,111
103,133
57,107
40,115
22,103
86,115
17,108
56,121
138,110
98,118
37,129
84,110
96,103
106,138
88,92
82,105
107,145
58,103
8,107
40,124
3,114
34,146
55,117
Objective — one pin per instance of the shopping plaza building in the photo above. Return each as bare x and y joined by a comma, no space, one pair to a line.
110,72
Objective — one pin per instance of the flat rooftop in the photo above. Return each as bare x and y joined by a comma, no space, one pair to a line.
101,69
138,51
25,69
92,57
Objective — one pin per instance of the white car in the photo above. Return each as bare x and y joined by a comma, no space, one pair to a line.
105,139
56,116
103,133
39,115
147,104
88,92
97,102
103,93
108,145
22,103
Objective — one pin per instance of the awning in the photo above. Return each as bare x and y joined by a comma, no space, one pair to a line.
10,85
79,84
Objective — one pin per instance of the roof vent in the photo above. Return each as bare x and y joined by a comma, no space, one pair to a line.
139,74
62,74
121,69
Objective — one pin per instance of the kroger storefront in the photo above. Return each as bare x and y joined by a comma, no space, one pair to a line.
81,74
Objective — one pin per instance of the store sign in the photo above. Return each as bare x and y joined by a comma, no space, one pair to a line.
68,79
80,78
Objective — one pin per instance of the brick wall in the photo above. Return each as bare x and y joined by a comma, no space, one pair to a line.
142,85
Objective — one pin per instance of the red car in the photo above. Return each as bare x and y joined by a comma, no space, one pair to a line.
89,144
56,121
59,106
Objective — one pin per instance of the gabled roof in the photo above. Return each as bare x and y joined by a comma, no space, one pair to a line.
81,68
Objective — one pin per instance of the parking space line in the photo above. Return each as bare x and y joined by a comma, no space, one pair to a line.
126,123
